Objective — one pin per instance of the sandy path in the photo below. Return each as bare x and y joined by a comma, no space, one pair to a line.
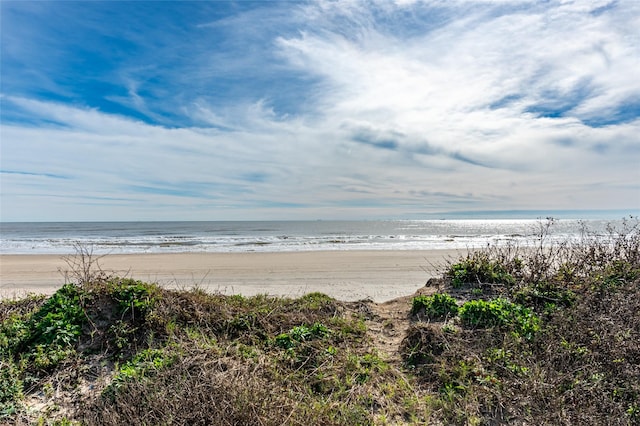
345,275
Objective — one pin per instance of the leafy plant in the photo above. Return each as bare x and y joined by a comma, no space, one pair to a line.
59,321
145,363
360,368
45,337
545,294
35,342
499,313
439,305
478,268
10,383
301,333
13,331
134,297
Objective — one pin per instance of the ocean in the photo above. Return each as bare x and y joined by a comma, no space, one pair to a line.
277,236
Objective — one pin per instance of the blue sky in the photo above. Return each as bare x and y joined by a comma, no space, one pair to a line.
178,110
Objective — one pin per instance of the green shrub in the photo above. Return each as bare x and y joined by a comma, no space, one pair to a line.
10,384
144,364
544,294
439,305
499,313
59,321
315,301
13,331
46,337
618,272
38,341
479,268
301,333
133,297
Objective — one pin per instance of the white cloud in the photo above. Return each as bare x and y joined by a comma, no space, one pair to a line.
458,115
438,87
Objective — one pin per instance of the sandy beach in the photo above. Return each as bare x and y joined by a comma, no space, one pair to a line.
346,275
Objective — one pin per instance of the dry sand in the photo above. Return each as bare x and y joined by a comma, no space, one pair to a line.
345,275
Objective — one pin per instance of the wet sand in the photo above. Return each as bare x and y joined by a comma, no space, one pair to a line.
345,275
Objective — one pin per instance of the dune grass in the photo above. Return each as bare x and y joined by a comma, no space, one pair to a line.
542,334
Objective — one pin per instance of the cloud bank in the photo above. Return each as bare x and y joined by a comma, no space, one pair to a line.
323,109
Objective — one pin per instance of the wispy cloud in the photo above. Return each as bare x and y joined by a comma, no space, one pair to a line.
26,173
217,110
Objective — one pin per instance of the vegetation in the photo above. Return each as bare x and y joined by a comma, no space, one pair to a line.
547,333
499,313
437,306
480,268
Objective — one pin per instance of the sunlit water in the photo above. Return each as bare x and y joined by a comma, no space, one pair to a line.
277,236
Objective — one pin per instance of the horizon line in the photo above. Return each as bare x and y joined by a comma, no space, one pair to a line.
604,214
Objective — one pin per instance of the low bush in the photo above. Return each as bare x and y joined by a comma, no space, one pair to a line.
10,385
479,269
134,298
437,306
145,364
544,296
43,338
500,313
422,344
301,333
576,304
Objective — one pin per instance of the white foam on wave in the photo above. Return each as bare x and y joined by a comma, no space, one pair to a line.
105,238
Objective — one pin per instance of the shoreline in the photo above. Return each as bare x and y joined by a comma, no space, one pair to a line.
380,275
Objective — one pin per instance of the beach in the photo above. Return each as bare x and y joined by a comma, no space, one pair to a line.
379,275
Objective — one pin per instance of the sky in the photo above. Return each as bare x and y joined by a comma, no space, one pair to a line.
265,110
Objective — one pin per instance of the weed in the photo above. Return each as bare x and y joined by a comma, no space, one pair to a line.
361,367
348,328
545,296
121,334
10,384
479,269
20,307
301,333
134,298
34,342
45,337
13,331
437,306
59,321
505,360
422,345
316,301
144,364
633,412
500,313
618,273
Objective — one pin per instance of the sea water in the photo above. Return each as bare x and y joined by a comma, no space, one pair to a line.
277,236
